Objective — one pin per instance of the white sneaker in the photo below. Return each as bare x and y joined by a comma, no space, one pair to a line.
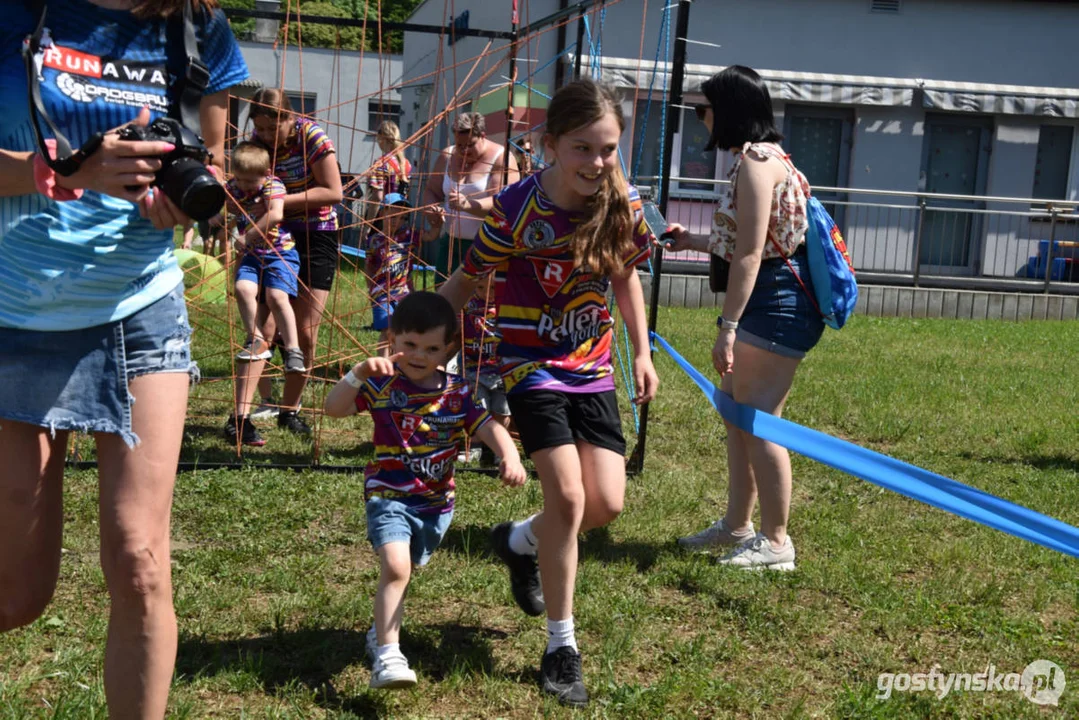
371,644
392,671
472,456
268,409
758,553
715,536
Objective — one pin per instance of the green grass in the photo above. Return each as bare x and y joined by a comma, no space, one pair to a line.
274,578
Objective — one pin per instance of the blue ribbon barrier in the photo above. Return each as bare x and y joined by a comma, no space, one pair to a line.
887,472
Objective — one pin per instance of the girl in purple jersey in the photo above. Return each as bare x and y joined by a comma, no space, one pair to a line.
560,237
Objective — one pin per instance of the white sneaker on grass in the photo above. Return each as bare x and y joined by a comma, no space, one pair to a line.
392,672
716,535
758,554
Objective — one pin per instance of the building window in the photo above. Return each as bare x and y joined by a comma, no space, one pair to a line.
695,161
378,111
647,140
690,158
1053,162
818,140
303,103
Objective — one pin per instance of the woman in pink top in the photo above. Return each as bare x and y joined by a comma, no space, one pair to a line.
769,321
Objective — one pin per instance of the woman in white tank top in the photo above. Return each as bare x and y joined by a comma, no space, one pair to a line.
461,223
461,188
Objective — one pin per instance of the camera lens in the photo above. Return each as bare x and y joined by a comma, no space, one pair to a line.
190,185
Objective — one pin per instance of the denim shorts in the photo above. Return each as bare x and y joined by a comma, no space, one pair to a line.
394,521
779,316
276,271
78,379
381,312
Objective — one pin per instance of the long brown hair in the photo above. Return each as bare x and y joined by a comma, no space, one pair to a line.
164,8
269,102
272,103
388,130
605,237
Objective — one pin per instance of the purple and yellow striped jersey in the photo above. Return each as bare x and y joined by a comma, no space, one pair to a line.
417,435
553,317
277,238
391,275
293,165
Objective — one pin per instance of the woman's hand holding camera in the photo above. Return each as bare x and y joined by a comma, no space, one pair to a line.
120,168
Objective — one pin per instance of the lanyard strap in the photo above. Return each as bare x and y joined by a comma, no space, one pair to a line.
190,74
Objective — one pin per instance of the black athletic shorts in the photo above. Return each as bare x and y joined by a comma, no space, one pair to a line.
318,257
547,419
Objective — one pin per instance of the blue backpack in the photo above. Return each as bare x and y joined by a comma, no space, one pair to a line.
834,288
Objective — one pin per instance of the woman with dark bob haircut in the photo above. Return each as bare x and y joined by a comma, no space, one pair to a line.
768,322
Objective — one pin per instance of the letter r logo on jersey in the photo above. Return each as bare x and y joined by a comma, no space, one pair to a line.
552,274
407,424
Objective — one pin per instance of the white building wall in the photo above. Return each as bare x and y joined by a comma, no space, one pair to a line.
346,85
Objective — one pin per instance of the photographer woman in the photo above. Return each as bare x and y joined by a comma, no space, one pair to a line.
305,160
92,320
769,321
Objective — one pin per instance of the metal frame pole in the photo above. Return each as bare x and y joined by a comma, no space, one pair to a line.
674,109
511,88
580,43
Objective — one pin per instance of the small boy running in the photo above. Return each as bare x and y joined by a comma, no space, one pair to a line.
421,415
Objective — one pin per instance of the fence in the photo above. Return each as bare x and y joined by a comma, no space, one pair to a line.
909,238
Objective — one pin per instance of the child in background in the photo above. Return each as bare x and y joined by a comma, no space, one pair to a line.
480,352
270,264
421,414
389,260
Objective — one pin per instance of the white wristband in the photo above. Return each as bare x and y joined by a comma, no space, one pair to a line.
725,324
352,380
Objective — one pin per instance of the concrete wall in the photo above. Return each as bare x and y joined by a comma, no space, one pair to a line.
885,301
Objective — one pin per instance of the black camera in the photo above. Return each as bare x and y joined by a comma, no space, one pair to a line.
183,176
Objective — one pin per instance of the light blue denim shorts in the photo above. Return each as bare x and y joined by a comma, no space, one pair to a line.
394,521
78,379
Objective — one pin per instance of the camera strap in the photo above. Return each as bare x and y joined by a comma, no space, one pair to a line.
184,62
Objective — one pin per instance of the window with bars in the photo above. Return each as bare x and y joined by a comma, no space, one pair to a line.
303,103
1053,162
379,111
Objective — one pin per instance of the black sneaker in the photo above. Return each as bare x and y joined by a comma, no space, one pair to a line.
524,572
561,672
291,421
249,434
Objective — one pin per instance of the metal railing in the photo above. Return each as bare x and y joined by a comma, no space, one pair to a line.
927,239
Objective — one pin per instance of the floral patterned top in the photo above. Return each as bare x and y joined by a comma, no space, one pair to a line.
787,222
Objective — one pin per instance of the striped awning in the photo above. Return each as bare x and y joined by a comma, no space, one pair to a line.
833,89
782,84
1001,99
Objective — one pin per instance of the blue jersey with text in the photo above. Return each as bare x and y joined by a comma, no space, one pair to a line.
77,264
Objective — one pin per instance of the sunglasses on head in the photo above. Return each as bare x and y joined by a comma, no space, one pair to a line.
701,111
